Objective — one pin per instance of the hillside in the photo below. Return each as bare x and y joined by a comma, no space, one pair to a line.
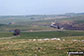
39,22
30,45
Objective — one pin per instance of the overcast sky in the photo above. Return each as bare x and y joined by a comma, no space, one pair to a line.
33,7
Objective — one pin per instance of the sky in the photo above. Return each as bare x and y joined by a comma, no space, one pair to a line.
40,7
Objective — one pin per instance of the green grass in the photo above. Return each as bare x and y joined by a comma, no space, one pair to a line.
5,34
47,34
50,34
22,46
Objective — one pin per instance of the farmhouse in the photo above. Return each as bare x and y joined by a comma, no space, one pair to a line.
67,26
56,25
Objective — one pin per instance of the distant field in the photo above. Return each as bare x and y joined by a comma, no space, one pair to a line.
36,22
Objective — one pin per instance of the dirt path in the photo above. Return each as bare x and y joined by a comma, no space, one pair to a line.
8,37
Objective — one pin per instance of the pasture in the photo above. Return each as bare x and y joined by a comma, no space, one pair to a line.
24,45
44,34
38,27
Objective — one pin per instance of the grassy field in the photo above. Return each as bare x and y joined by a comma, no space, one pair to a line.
24,45
44,34
36,22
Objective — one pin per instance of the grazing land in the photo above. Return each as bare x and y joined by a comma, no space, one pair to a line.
41,35
37,38
25,45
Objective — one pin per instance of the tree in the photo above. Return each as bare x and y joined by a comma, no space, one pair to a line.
16,32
